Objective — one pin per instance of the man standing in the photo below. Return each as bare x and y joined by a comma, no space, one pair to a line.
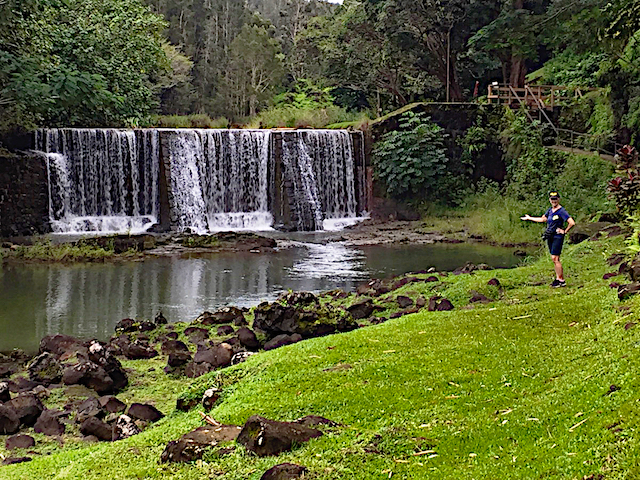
555,233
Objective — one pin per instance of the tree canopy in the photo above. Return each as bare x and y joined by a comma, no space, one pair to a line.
100,62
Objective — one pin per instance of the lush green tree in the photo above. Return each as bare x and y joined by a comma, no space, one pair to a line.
254,70
76,62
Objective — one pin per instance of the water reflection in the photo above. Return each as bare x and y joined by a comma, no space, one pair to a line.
88,300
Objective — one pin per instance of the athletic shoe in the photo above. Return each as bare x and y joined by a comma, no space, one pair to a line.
558,283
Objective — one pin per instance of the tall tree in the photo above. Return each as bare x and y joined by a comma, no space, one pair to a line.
255,68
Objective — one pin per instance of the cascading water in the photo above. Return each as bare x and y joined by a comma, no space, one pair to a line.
107,180
219,179
319,170
101,180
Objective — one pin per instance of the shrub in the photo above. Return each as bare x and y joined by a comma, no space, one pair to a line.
198,120
412,159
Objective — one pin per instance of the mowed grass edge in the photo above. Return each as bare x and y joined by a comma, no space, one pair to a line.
540,383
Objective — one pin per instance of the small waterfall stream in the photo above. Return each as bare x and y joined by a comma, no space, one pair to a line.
108,180
101,180
219,179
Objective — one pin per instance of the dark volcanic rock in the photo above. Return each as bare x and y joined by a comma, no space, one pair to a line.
9,421
15,460
27,407
20,385
627,290
241,357
314,421
404,301
192,445
146,326
248,339
61,344
172,346
196,334
111,404
126,325
284,471
282,340
178,359
89,408
266,437
225,330
478,297
225,315
217,356
8,368
362,309
467,268
145,412
97,428
19,441
494,281
439,304
49,424
45,369
90,375
101,356
302,313
138,350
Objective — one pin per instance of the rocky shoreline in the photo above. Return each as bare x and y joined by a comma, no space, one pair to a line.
85,377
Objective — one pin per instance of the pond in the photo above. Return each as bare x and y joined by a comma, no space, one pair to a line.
87,300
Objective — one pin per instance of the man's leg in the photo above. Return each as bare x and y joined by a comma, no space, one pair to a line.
557,266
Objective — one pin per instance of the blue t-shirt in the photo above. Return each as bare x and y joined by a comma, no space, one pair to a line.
556,219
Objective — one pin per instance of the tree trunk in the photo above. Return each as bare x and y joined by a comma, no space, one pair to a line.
518,72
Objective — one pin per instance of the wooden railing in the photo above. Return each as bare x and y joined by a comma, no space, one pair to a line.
534,96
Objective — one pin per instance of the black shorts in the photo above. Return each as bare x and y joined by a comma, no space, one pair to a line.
555,244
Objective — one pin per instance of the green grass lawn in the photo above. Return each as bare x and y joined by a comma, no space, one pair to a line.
517,388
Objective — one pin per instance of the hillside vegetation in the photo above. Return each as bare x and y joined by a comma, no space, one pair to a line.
538,383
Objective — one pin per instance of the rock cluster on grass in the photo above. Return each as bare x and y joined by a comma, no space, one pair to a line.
259,435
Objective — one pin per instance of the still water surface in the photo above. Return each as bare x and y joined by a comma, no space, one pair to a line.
87,300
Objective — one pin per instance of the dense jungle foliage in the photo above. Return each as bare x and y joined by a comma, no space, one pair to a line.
117,62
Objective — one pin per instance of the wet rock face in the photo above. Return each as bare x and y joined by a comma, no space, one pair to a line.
300,313
284,471
266,437
192,445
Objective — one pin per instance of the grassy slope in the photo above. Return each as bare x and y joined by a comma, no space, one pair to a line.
513,389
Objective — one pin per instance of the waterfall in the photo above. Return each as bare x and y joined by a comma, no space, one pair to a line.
219,179
109,180
101,180
319,173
